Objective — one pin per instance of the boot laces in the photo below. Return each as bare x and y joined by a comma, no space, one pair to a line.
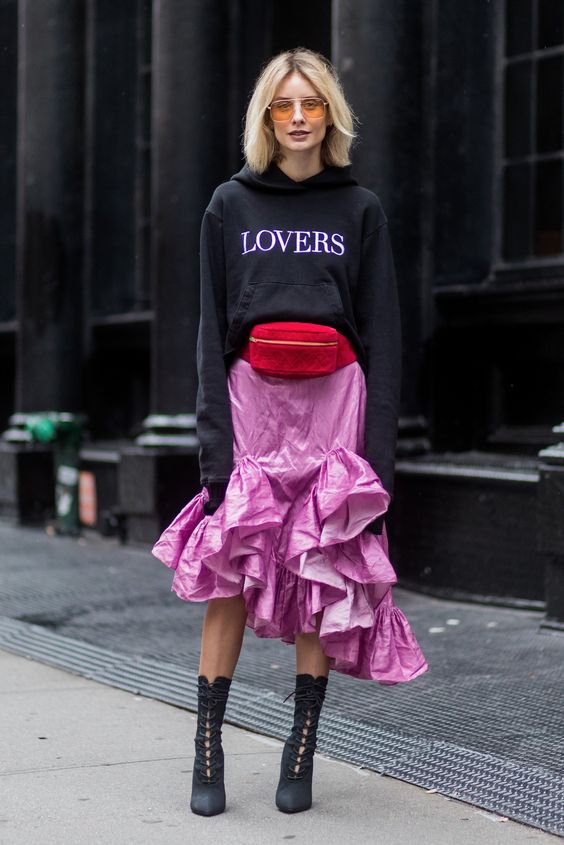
303,740
208,734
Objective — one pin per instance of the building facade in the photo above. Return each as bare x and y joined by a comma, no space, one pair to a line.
118,121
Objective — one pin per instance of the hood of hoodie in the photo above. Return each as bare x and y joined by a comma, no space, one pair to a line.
274,179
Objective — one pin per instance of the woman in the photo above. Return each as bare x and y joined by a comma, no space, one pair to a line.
297,451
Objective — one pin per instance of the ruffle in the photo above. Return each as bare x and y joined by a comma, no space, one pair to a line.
293,560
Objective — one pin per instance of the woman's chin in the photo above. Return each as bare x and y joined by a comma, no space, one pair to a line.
307,145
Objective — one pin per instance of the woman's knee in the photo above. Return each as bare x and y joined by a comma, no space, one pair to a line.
227,604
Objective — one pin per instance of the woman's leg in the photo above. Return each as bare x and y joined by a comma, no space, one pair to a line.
222,637
310,658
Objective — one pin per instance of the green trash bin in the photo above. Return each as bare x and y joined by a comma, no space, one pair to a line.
65,430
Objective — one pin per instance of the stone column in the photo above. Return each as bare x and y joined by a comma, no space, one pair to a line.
190,112
48,231
190,144
380,52
49,204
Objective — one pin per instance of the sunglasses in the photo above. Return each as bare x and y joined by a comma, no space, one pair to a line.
311,107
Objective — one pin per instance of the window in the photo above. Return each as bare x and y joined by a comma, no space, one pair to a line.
533,136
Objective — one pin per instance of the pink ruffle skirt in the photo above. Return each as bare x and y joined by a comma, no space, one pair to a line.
289,535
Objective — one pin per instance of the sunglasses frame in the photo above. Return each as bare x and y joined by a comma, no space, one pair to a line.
294,100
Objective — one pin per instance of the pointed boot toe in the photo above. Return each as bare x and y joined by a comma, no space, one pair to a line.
293,795
207,799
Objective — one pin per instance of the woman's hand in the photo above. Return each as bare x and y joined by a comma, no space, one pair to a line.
216,492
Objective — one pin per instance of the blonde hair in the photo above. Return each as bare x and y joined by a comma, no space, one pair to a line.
260,146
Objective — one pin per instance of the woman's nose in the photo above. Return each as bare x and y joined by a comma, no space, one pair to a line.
298,112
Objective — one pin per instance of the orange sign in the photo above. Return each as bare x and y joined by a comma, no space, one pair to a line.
88,509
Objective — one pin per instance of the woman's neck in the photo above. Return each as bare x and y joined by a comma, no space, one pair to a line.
300,168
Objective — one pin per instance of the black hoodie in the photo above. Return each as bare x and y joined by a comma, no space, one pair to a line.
314,251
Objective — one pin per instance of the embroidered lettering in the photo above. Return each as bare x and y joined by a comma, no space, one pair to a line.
283,243
293,240
321,237
337,241
245,250
260,240
302,238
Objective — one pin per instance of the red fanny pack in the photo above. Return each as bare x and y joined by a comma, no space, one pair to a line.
297,350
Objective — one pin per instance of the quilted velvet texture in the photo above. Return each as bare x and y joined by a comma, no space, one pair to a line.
295,361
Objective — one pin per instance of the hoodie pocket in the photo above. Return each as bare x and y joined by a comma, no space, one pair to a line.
270,301
241,309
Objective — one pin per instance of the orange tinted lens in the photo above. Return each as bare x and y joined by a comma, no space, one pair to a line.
282,110
313,107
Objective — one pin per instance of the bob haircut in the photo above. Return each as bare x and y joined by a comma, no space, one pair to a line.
260,146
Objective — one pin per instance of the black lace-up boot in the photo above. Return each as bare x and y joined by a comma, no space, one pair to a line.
208,789
296,769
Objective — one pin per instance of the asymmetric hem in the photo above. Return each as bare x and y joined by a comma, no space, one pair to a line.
289,535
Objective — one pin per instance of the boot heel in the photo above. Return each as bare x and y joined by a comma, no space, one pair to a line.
208,788
294,792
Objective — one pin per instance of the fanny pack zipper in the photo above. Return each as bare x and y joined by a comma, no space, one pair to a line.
295,342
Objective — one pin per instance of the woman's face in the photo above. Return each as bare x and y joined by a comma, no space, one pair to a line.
299,133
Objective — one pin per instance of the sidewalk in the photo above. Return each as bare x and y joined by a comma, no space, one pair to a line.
485,725
84,762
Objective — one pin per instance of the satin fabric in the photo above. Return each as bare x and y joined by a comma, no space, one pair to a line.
290,533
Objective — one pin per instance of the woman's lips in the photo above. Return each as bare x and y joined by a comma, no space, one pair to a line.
299,134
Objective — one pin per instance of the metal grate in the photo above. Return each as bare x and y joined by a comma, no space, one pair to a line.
528,794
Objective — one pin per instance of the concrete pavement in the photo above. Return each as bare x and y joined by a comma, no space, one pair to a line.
85,762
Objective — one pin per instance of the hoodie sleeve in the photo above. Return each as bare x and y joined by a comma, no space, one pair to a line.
213,411
377,316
